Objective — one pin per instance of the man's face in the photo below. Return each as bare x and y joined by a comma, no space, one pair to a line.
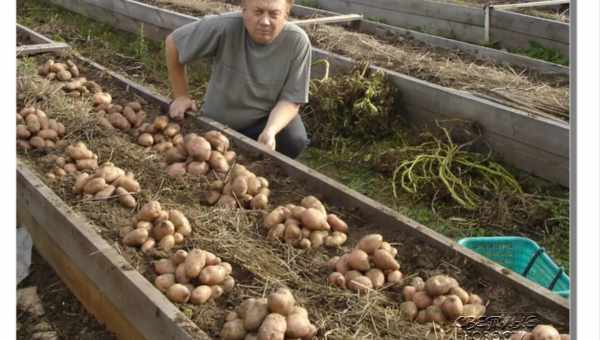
264,19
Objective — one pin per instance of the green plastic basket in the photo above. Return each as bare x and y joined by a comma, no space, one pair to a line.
523,256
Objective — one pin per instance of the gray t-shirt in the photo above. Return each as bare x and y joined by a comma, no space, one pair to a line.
247,78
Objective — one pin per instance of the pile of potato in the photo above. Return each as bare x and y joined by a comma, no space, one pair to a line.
271,318
108,181
540,332
439,299
61,71
35,130
122,117
306,225
152,224
77,158
162,134
197,155
242,186
195,277
370,265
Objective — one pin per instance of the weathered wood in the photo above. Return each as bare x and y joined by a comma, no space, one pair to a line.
40,48
385,31
533,4
98,275
33,35
539,135
329,20
463,23
378,214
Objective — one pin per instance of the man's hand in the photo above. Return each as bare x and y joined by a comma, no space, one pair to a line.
267,137
180,106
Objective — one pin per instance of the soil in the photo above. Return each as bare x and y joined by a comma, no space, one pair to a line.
237,235
521,89
64,314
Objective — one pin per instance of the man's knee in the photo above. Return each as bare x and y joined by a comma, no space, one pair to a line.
292,140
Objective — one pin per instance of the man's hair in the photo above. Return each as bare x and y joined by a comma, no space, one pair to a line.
289,2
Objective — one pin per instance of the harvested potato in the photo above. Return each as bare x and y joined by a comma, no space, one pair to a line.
178,293
281,301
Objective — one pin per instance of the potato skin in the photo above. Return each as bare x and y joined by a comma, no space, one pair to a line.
370,243
273,327
178,293
281,301
233,330
212,275
255,314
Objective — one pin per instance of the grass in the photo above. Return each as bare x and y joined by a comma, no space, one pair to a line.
538,51
142,61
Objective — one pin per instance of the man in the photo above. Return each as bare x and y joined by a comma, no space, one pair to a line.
260,73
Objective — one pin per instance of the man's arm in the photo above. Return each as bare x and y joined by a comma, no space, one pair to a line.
281,115
179,83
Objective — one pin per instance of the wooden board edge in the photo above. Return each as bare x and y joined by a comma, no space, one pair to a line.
97,274
25,50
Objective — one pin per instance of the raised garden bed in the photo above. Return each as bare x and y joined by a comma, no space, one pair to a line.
223,231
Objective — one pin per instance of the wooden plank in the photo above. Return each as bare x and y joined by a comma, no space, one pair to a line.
378,214
464,23
532,4
385,31
99,276
329,20
33,35
24,50
545,135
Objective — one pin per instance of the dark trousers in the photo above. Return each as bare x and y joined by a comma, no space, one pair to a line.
290,141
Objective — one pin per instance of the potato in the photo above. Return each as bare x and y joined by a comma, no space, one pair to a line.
253,185
63,75
422,300
473,310
360,284
272,328
162,147
164,266
94,185
421,316
212,275
313,202
337,223
233,330
337,279
452,307
130,115
125,198
292,233
336,239
162,229
434,313
281,301
164,282
60,172
256,312
178,293
461,293
218,162
145,139
197,147
176,169
174,155
313,219
217,140
298,324
342,265
109,172
179,257
418,283
317,237
352,274
105,193
23,132
37,142
545,332
303,243
198,168
172,129
377,277
86,164
79,151
276,232
230,156
409,310
80,181
167,243
149,211
239,186
70,168
359,260
180,275
48,134
228,284
135,105
200,295
384,260
149,244
119,121
370,243
437,285
474,299
128,183
274,217
194,262
259,202
136,237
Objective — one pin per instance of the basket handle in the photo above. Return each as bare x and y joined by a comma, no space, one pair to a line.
555,279
532,261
